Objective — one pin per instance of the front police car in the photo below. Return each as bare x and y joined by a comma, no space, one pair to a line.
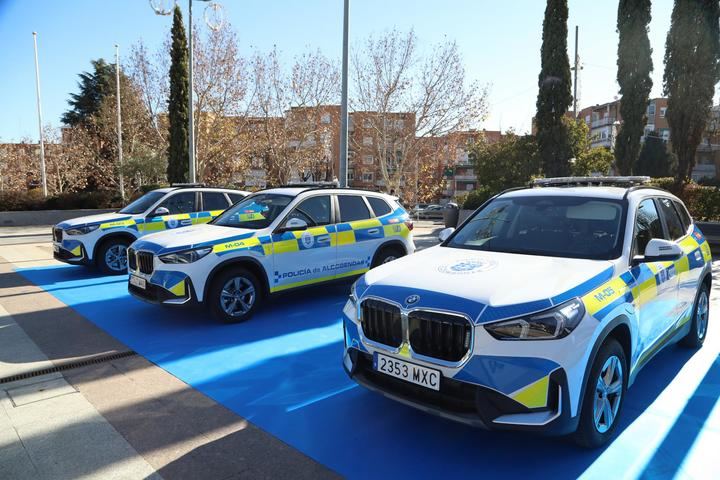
495,326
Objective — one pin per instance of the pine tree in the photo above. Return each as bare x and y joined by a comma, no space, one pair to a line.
178,109
692,69
634,68
94,87
654,159
554,95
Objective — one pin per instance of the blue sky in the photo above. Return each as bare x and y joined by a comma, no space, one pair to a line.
500,42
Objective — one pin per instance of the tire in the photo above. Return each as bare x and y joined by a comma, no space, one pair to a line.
699,323
228,306
112,256
387,255
602,406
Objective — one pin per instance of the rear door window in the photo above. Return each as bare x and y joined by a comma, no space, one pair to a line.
672,219
379,206
214,201
684,216
352,208
647,226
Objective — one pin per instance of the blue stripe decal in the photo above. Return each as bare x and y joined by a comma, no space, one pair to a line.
428,299
505,374
584,287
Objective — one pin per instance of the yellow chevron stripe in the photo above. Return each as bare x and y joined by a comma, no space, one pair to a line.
534,395
178,289
236,245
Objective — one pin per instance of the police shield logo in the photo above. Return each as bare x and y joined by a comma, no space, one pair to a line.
172,223
307,239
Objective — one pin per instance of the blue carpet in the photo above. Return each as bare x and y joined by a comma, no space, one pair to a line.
282,371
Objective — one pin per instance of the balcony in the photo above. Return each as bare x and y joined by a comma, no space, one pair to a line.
465,178
602,122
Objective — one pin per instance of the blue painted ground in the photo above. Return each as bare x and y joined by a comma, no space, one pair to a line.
282,371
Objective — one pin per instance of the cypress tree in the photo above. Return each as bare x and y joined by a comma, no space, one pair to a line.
178,109
692,69
634,68
554,95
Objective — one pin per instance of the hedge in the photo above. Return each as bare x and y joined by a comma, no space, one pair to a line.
33,200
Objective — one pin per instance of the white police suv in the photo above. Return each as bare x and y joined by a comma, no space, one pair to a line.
102,240
274,240
539,311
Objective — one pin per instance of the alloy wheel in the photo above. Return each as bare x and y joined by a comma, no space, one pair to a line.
116,258
608,394
237,296
701,315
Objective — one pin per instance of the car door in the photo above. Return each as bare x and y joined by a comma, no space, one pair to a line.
180,206
212,205
358,235
308,256
655,283
687,277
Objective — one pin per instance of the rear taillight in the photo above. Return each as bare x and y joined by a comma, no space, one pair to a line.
409,224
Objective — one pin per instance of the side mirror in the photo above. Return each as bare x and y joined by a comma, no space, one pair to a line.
160,211
660,250
445,233
294,225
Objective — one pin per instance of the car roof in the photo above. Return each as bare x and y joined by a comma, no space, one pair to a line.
199,189
609,192
295,191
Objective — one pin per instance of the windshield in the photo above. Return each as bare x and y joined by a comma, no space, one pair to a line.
143,203
576,227
255,212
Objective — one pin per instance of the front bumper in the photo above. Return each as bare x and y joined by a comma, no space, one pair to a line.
73,253
467,403
168,288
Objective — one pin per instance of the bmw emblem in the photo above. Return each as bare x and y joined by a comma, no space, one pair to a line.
412,299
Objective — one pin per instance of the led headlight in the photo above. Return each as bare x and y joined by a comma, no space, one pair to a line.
350,308
82,230
187,256
557,322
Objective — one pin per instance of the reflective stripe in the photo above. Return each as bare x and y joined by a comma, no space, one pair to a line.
117,224
178,289
318,280
534,395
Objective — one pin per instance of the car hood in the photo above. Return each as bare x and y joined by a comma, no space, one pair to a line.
195,236
94,219
485,286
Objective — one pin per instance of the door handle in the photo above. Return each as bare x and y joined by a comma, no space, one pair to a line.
324,239
374,231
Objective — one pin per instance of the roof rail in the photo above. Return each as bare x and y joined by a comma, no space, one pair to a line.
591,181
187,185
641,187
310,185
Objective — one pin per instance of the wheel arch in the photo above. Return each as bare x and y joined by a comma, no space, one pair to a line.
246,262
111,236
395,243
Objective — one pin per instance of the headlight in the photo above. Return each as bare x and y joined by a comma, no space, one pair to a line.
81,230
557,322
353,295
188,256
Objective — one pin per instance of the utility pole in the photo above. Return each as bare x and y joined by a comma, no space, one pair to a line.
42,139
191,133
119,122
576,75
344,101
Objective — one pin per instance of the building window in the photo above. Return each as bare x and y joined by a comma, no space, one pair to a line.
400,124
469,186
368,160
350,174
367,177
325,118
367,141
367,123
587,118
663,110
651,110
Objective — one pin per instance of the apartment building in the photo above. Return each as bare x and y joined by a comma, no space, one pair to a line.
707,159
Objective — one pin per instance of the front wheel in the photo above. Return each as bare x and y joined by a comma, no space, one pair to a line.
604,396
700,314
234,296
112,256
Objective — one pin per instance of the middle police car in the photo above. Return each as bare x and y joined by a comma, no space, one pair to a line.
274,240
538,312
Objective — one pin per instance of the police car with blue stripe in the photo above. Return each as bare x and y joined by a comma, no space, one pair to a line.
102,240
274,240
539,311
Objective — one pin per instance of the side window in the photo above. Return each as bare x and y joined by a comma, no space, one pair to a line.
235,197
314,211
684,216
379,206
352,208
214,201
183,202
647,226
675,226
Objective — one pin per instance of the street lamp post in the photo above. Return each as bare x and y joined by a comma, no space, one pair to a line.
119,122
344,101
39,109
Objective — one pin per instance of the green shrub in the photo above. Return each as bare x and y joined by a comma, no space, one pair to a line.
27,200
476,198
33,200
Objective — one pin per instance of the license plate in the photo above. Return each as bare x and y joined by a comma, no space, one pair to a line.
56,248
425,377
137,281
